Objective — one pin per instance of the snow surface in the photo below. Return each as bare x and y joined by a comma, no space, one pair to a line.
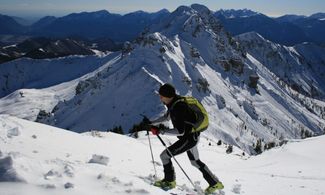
189,49
39,159
36,73
301,65
46,82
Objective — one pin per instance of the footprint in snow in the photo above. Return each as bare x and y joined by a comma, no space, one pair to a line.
13,132
67,170
236,188
68,185
99,159
48,186
136,191
148,179
52,174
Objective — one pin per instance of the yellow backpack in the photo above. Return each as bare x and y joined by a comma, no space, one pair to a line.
202,119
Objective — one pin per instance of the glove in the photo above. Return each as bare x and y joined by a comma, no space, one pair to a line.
146,121
154,130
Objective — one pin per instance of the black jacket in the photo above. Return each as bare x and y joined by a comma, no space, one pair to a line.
180,114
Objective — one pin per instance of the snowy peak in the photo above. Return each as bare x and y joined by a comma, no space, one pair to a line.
203,10
232,13
196,25
184,18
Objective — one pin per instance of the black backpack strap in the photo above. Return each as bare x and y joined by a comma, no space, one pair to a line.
173,105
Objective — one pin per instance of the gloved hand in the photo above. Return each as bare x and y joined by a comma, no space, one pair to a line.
154,130
146,121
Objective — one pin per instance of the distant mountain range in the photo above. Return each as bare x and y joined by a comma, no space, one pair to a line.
42,47
287,29
10,26
232,13
76,33
90,25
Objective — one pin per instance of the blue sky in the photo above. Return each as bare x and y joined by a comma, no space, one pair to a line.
38,8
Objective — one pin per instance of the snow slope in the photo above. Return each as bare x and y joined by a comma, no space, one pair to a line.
34,73
43,83
191,50
301,66
39,159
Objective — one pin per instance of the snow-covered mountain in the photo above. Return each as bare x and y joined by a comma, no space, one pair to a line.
98,24
232,13
301,66
39,159
33,73
285,33
40,48
248,106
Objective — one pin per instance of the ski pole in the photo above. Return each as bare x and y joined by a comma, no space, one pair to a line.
163,143
153,160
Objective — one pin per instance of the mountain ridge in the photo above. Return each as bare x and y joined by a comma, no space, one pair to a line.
174,55
294,25
249,106
290,63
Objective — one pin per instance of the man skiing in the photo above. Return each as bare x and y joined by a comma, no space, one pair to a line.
183,119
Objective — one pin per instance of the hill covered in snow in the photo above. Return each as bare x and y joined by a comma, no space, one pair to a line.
39,159
249,105
302,66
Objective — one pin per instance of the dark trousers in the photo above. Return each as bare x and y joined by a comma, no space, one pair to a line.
186,144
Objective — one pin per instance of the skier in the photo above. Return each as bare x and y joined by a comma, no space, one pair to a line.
183,118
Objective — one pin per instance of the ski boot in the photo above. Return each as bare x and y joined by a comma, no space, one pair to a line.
213,188
165,185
